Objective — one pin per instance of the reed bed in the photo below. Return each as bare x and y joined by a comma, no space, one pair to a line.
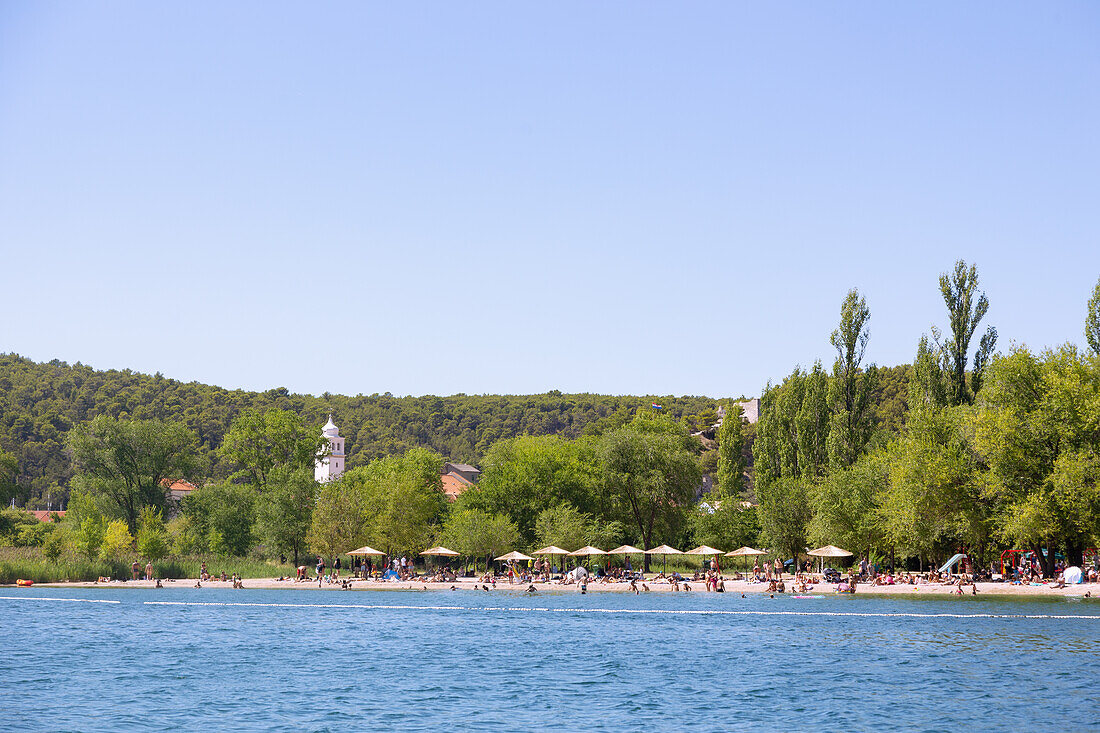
29,563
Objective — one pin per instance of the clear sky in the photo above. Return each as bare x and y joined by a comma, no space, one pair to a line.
666,198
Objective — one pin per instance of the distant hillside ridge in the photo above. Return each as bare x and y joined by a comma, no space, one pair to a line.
40,402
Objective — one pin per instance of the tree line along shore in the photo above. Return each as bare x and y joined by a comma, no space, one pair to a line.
968,449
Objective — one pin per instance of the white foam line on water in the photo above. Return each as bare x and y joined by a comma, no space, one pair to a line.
637,611
46,598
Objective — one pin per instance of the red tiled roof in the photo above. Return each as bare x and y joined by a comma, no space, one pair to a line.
179,485
44,516
454,485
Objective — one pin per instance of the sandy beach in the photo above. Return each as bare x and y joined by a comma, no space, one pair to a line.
660,586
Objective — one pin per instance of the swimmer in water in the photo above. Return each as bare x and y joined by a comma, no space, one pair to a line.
530,589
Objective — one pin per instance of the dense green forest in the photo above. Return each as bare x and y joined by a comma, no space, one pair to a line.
41,402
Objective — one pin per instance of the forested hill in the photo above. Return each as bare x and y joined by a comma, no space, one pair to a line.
39,403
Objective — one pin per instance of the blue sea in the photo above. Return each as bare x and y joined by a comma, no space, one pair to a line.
224,660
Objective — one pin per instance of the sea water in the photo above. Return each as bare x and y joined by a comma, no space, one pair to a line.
251,660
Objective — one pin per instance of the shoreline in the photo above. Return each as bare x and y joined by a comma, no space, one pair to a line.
1004,590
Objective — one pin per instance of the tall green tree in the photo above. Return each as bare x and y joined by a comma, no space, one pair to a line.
1038,427
851,386
258,442
476,534
284,513
395,504
403,501
222,516
959,289
524,476
731,445
933,502
339,521
9,471
124,461
793,430
847,507
729,525
1092,321
567,527
785,514
650,473
928,380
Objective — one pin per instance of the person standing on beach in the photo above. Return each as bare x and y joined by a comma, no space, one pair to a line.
149,570
320,570
135,569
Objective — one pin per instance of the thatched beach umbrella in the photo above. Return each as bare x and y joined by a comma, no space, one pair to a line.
513,556
625,550
366,551
828,551
439,551
587,551
552,550
745,552
664,550
704,550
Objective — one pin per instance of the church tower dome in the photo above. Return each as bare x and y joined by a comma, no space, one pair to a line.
331,466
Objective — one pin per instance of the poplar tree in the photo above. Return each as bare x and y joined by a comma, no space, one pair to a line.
850,391
959,289
1092,321
731,443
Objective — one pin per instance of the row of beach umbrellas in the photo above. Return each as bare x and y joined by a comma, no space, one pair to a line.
588,550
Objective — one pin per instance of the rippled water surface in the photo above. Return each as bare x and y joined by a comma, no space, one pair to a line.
333,661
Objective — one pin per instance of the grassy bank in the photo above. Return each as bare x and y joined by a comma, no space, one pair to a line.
30,564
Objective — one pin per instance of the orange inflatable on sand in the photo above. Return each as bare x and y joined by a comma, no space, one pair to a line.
20,581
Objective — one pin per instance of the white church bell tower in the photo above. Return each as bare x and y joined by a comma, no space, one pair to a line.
332,465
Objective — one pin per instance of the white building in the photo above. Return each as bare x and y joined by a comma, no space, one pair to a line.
332,465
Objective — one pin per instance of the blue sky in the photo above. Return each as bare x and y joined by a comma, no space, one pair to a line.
609,197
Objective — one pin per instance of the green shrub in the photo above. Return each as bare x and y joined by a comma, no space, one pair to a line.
54,545
33,535
12,523
116,541
152,539
89,537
